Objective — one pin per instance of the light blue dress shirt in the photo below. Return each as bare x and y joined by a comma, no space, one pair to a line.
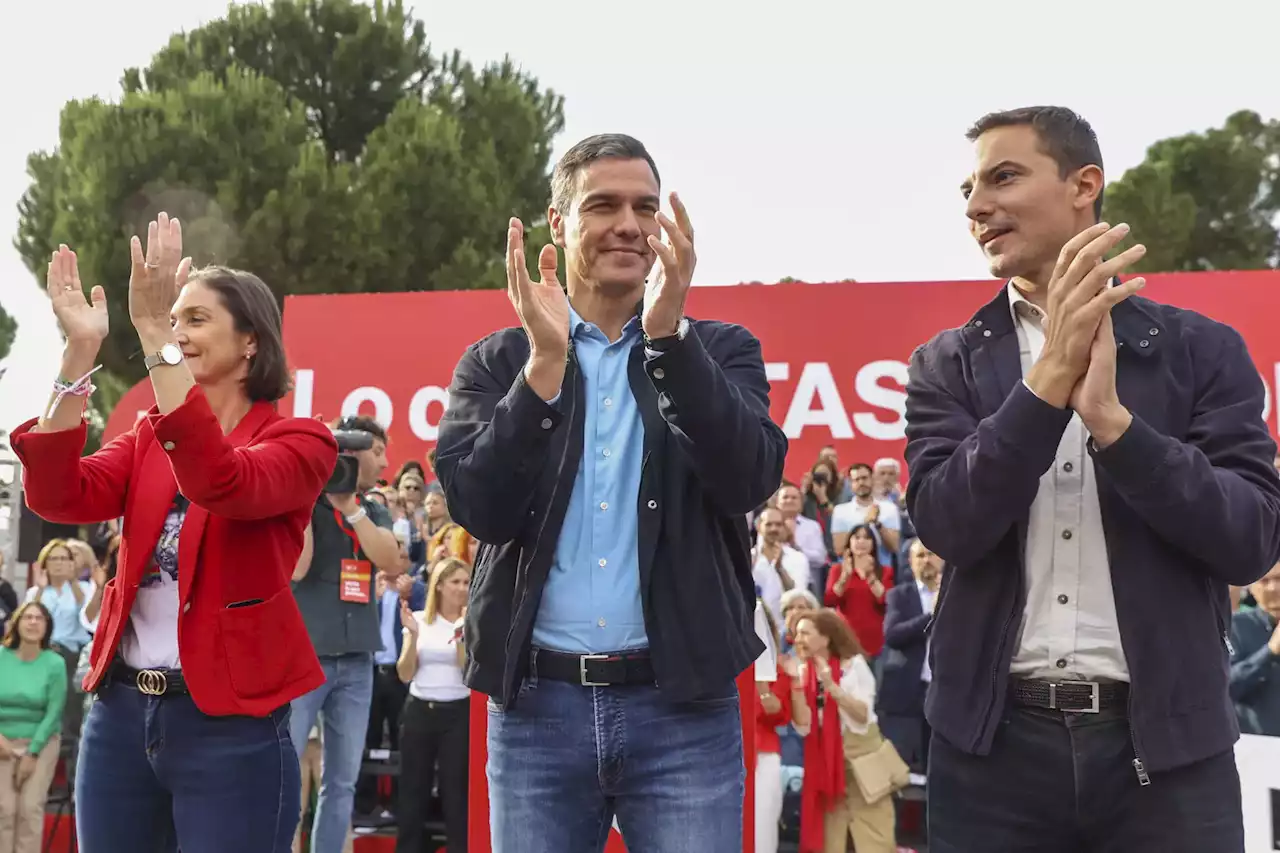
591,602
388,624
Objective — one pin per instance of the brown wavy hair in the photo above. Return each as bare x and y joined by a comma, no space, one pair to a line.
841,640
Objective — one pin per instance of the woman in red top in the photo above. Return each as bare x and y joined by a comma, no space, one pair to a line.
775,706
856,588
199,645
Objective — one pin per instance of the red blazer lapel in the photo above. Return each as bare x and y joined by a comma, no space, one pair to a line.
149,504
197,517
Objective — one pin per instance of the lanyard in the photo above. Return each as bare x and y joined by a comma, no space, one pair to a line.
350,532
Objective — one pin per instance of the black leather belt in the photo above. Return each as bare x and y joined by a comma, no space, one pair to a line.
614,669
1076,697
152,682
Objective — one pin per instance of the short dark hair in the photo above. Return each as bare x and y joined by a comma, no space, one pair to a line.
361,423
254,311
602,146
12,639
1064,135
861,466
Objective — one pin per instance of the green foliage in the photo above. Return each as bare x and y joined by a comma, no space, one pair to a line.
8,329
1205,201
318,143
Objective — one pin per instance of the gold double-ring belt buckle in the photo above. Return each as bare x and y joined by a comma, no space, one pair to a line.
152,682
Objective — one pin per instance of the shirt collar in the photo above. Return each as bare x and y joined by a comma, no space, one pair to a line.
576,324
1020,306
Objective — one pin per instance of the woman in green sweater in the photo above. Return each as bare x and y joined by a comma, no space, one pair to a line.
33,690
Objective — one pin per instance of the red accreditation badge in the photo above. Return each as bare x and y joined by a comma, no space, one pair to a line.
353,583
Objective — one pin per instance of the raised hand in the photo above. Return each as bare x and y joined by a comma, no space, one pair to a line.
664,296
407,619
542,306
158,274
83,322
1078,297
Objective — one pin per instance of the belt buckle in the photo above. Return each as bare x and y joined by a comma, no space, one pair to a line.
152,682
582,670
1095,696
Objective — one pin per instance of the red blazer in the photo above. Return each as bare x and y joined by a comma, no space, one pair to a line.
862,610
767,739
251,496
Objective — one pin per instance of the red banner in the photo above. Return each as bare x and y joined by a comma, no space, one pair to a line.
836,354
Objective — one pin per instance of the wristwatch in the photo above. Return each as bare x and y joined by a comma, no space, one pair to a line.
169,354
663,344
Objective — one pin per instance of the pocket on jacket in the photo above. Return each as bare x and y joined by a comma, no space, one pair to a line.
249,630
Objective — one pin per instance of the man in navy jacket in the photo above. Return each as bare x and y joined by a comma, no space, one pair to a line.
909,609
606,454
1095,469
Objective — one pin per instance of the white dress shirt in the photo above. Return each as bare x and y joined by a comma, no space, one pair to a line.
766,577
811,542
1069,628
926,603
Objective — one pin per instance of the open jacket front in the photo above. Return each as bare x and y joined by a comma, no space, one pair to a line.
507,461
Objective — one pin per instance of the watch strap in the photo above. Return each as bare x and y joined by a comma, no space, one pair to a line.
668,341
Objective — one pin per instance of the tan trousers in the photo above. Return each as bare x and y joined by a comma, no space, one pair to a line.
870,825
22,809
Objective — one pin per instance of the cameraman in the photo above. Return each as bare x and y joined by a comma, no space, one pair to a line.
348,542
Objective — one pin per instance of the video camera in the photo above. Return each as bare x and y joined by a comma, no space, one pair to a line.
345,478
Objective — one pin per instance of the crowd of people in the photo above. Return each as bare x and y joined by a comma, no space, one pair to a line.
611,508
843,579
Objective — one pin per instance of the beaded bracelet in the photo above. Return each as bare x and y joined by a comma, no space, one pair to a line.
82,387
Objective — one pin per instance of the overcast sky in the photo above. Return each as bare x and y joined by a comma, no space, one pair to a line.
821,139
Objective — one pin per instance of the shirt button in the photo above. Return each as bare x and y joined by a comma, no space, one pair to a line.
1066,534
603,562
601,622
1061,664
1062,599
659,374
606,453
546,423
1144,343
1068,467
653,504
168,445
608,401
604,504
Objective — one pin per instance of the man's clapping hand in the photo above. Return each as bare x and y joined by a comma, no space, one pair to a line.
543,309
1078,299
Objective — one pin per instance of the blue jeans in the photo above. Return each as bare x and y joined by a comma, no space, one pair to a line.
155,773
344,698
566,759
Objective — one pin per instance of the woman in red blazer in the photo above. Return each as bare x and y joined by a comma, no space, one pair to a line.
199,646
856,588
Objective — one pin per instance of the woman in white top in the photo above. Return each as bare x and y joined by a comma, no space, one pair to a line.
434,730
840,690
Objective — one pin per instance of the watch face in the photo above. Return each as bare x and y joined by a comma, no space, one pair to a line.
171,354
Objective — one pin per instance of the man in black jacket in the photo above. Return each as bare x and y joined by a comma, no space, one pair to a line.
1095,469
606,454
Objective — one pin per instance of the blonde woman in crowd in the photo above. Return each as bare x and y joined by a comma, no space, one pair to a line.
434,725
57,588
840,692
33,690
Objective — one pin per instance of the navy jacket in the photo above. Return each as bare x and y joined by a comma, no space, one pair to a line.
508,461
1255,672
1190,503
905,643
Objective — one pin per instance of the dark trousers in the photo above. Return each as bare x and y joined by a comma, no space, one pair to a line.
909,734
389,693
434,748
157,775
1065,783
